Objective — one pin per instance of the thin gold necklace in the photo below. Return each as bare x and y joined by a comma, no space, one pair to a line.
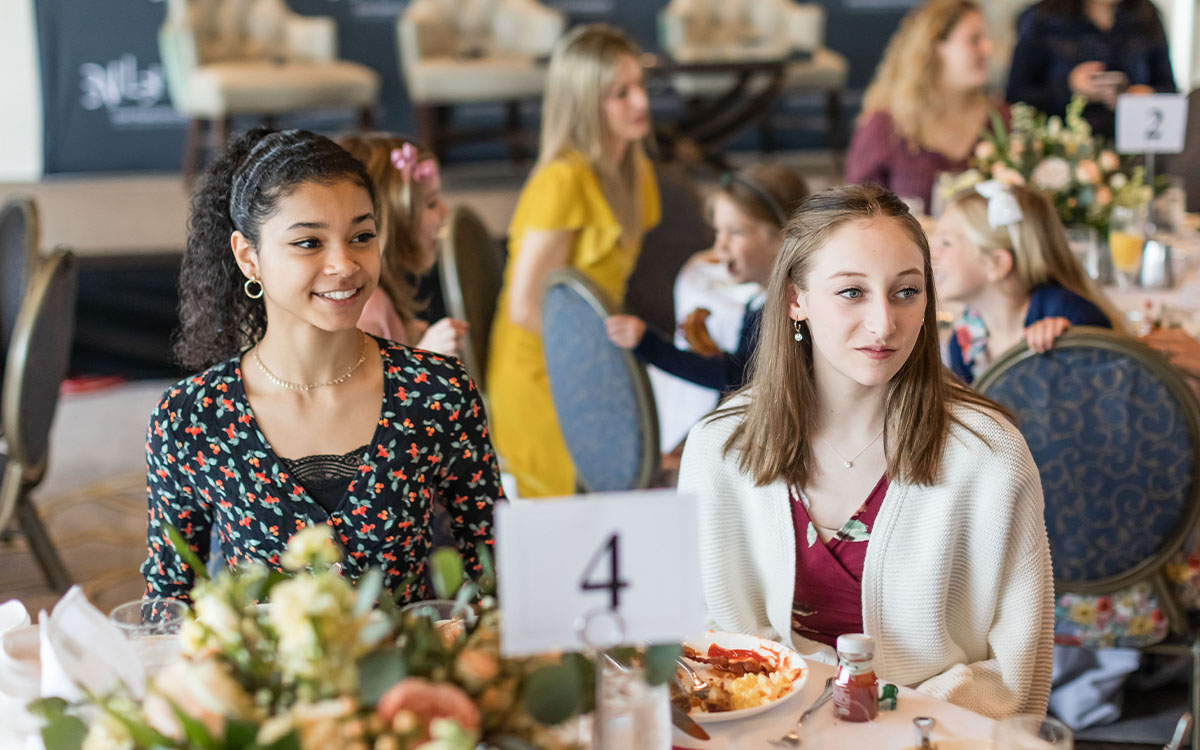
362,357
848,462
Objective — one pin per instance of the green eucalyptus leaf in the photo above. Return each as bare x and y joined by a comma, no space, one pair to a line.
264,586
446,570
659,662
48,708
64,732
551,694
240,735
378,671
487,570
369,587
190,558
374,632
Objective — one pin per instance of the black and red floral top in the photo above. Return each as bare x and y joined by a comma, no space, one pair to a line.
210,470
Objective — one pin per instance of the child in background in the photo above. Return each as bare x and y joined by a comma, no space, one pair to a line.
412,213
748,213
1003,252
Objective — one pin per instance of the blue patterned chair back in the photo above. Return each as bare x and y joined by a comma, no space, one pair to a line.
1115,432
472,270
601,393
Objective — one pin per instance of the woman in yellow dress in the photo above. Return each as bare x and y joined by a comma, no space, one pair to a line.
591,197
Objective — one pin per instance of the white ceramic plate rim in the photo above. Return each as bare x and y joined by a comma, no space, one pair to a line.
786,657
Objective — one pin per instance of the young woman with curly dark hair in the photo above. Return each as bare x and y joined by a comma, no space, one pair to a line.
300,418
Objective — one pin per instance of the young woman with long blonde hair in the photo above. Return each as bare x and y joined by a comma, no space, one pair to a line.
1003,252
591,197
855,486
927,105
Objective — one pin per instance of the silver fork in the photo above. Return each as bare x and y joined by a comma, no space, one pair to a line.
793,738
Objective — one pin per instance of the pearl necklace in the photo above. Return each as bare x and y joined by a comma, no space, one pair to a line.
848,462
309,386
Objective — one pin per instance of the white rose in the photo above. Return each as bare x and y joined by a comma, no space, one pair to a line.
203,690
219,616
1052,174
1118,181
310,544
106,733
1109,161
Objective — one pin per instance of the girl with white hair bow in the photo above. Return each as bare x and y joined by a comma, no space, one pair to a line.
1003,252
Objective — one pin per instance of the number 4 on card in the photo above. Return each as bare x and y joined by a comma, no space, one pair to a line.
614,584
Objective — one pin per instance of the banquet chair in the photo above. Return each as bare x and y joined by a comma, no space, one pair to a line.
19,241
226,58
1115,432
601,393
695,30
456,52
37,360
472,271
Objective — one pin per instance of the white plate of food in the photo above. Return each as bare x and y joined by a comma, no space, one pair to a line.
746,675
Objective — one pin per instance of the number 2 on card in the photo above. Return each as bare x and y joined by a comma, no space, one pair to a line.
611,549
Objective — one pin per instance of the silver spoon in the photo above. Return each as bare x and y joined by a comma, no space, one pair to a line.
924,725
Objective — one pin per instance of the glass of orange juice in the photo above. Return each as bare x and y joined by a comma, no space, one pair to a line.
1126,237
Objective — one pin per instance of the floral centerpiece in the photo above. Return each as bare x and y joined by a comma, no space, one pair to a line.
326,664
1060,156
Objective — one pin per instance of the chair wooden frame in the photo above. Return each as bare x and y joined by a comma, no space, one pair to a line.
22,470
1152,567
599,301
475,348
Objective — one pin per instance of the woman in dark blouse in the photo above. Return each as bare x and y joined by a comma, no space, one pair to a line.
1095,48
300,418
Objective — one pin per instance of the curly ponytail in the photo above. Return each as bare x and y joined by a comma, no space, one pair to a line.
239,190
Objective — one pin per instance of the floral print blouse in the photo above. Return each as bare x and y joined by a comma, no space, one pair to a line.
211,471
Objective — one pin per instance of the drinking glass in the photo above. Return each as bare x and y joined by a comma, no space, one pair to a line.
152,626
1084,242
630,714
1031,732
1126,237
449,617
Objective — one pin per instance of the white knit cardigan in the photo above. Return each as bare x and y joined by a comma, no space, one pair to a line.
956,589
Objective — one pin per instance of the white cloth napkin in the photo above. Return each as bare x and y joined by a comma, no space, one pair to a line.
20,677
83,650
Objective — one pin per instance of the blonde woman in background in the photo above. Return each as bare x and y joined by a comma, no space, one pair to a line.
590,199
927,106
411,215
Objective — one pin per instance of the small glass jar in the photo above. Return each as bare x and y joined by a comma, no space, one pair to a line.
856,689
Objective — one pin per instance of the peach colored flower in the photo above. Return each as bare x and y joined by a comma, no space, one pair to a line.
1103,195
476,667
1109,161
428,701
1006,174
203,690
1088,172
984,150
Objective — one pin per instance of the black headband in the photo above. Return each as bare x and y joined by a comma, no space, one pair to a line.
764,197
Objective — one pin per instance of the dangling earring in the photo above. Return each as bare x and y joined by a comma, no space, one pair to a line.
246,288
799,331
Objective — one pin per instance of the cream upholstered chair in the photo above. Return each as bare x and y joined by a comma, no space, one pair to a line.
224,58
733,30
460,51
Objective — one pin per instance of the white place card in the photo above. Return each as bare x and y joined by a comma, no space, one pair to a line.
1151,123
632,554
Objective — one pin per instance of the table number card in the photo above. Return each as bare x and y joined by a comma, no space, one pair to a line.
1151,123
633,554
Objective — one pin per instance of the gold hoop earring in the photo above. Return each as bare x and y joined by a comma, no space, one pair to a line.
246,288
799,331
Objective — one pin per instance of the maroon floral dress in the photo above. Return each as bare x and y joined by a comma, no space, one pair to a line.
210,471
828,596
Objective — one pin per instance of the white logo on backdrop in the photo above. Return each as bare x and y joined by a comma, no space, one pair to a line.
375,10
131,95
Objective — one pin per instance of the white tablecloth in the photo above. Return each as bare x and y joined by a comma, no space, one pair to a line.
1182,301
891,731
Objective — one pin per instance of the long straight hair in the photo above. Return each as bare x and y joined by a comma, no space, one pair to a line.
401,204
582,69
773,439
1037,244
906,82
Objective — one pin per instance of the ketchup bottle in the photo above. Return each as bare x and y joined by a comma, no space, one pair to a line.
856,690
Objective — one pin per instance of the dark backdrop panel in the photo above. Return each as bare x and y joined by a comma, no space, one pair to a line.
106,106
